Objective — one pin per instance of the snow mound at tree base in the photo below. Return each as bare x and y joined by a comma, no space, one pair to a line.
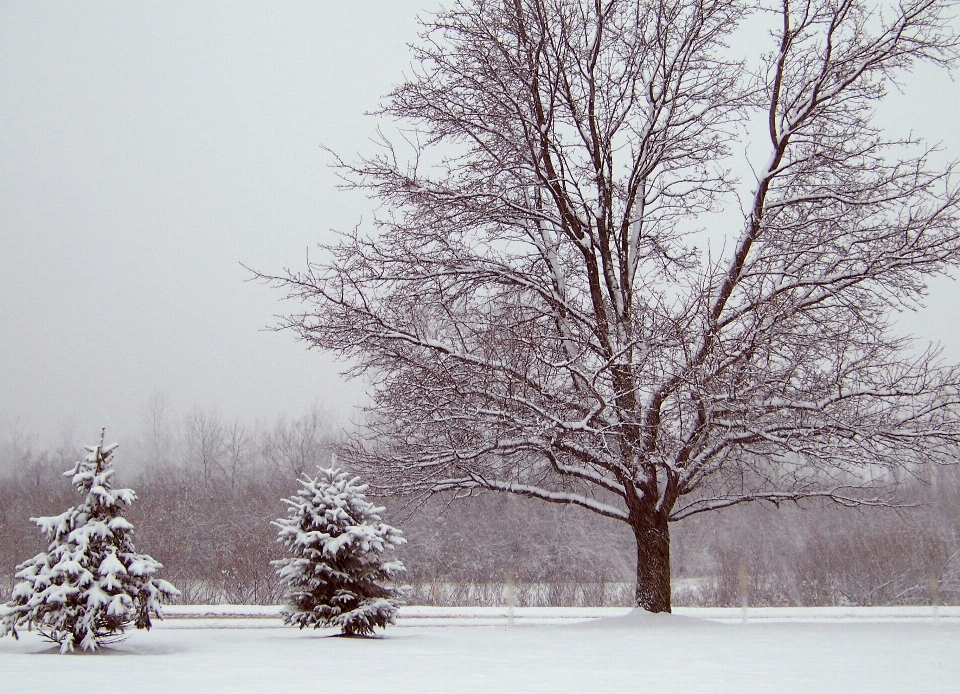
641,619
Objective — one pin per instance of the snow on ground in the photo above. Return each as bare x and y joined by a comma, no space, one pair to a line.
913,652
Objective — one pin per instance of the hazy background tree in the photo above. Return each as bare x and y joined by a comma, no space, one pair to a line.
205,443
539,314
156,439
298,446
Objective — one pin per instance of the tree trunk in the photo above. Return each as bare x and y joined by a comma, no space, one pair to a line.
653,562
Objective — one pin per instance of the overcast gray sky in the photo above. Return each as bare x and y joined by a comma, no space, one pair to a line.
148,148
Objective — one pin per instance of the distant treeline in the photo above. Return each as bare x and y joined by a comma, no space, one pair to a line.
208,491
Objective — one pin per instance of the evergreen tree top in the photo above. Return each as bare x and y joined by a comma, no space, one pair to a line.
96,468
335,497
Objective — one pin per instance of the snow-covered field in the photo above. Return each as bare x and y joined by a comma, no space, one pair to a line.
235,649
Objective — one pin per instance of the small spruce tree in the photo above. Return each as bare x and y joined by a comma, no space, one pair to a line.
90,585
336,575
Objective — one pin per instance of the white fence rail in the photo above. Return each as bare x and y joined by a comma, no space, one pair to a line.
268,616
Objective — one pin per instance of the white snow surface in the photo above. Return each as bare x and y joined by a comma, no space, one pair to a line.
555,650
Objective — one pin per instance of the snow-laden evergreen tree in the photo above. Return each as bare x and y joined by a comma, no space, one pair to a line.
90,585
337,574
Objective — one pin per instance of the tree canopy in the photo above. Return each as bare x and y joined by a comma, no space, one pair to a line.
538,314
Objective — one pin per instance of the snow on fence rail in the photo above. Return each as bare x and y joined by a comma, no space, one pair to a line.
268,616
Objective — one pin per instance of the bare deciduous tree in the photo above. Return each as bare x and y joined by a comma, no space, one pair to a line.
156,437
531,309
239,449
298,446
204,443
